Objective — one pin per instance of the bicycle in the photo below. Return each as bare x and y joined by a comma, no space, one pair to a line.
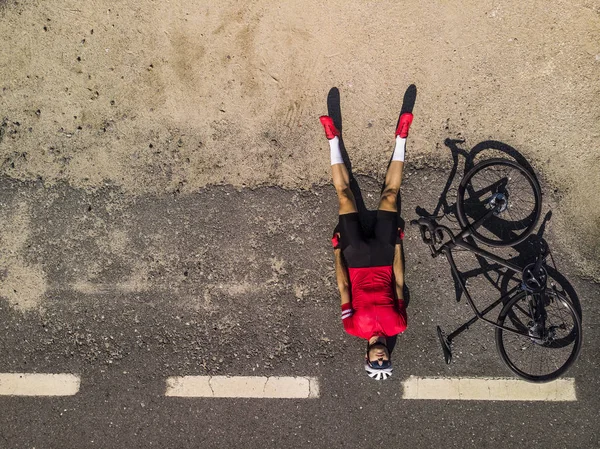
538,331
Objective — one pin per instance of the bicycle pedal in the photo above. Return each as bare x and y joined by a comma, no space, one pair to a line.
446,345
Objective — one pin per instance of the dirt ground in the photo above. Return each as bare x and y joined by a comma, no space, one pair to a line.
158,97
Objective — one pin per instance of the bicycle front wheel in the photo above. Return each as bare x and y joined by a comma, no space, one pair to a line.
503,183
535,354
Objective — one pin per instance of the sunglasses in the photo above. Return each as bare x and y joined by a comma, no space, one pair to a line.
375,365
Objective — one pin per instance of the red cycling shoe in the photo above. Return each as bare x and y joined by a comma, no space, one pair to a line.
330,130
404,124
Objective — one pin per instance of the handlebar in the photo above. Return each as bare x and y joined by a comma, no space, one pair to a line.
431,233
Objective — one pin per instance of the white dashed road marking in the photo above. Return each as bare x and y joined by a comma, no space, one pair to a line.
28,384
243,387
276,387
487,389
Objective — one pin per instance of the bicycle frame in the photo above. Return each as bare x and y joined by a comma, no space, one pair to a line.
437,236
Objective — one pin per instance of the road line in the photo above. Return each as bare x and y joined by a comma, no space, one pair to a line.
29,384
487,389
243,387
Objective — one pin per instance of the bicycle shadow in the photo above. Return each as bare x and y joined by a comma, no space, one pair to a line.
470,157
503,280
368,217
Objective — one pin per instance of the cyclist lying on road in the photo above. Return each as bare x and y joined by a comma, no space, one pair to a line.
369,269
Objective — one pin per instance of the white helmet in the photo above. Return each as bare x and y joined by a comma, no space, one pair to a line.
378,373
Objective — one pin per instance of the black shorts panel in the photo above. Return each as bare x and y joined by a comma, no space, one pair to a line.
351,232
362,250
386,227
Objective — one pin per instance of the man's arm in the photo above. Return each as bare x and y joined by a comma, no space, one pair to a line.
398,268
341,274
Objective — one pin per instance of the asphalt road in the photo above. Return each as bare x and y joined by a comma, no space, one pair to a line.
241,282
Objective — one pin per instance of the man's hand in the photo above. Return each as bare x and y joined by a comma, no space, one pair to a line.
400,235
335,240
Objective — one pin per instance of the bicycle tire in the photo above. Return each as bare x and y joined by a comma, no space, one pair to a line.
574,337
511,232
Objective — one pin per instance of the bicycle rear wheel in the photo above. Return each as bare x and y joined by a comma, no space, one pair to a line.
493,181
528,357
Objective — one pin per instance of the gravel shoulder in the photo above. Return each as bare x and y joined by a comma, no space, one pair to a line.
158,98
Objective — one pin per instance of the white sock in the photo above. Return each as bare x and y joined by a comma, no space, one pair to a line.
399,150
336,154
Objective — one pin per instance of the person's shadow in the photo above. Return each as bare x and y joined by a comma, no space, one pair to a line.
368,217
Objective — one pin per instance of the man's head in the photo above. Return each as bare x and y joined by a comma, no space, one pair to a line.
377,361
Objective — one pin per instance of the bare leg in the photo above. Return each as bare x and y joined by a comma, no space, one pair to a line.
341,177
341,181
393,179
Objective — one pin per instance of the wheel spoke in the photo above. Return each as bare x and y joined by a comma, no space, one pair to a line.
523,202
536,359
